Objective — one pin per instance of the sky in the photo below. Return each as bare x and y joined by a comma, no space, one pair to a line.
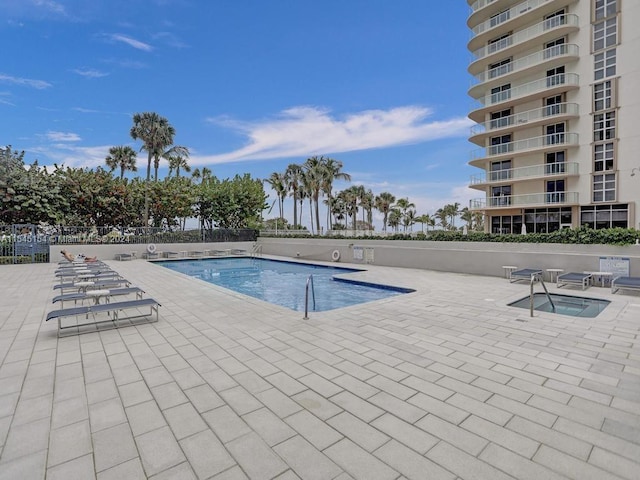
250,86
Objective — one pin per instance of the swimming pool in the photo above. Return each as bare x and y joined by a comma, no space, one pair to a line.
564,304
283,283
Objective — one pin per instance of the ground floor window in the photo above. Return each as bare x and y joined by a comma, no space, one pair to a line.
546,220
536,220
605,216
506,224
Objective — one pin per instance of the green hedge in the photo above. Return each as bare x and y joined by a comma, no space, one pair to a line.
581,236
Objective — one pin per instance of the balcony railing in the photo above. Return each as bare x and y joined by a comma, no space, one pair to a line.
553,139
513,12
527,34
478,4
529,116
530,88
533,171
568,49
508,201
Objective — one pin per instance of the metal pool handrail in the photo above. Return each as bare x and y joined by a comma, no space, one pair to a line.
306,297
538,277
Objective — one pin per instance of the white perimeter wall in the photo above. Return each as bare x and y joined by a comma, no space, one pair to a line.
477,258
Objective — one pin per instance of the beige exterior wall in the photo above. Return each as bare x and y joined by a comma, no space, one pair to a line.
528,36
477,258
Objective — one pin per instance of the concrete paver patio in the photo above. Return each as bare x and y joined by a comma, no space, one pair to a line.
444,383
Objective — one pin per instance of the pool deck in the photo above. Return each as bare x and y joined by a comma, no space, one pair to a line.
444,383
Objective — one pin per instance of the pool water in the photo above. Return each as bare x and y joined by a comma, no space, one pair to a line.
564,304
284,283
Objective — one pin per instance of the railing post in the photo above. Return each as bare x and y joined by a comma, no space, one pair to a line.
306,297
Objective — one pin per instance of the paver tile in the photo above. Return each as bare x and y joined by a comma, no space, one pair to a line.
358,463
77,469
130,470
226,424
206,455
113,446
255,457
184,420
410,464
314,430
159,450
29,466
69,442
269,426
517,466
359,432
307,461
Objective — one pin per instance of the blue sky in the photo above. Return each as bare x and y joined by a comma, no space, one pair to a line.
249,85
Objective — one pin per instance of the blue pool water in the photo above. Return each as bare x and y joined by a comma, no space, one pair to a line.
283,283
564,304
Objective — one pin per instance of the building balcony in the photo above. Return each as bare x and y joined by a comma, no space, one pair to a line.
549,142
547,170
535,35
522,120
479,4
543,87
493,23
527,200
547,59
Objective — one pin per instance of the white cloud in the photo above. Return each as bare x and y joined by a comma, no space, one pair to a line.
73,156
63,136
50,6
132,42
304,131
27,82
90,73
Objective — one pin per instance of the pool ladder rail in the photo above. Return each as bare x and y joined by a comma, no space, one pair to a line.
306,297
538,278
256,251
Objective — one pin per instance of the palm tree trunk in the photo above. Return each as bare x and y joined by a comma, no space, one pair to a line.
146,192
317,201
295,209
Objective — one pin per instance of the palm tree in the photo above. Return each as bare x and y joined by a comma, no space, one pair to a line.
332,172
349,199
404,205
156,134
422,220
467,216
408,219
122,157
314,176
366,202
394,216
452,209
293,179
177,157
279,185
383,204
442,217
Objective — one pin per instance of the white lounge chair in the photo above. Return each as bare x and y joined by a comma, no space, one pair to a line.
625,283
574,278
525,274
105,314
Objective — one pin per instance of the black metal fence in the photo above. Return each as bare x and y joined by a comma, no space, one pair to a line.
30,243
23,243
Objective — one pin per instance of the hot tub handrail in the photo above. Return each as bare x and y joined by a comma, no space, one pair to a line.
538,277
306,297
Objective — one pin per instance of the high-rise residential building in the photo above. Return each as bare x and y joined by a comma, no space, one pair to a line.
556,91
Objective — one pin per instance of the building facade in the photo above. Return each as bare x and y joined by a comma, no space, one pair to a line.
556,90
